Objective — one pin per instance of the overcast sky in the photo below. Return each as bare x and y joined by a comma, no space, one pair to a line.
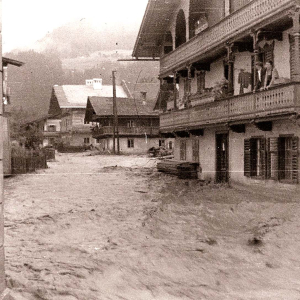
26,21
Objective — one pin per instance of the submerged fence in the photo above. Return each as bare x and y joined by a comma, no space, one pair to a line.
22,164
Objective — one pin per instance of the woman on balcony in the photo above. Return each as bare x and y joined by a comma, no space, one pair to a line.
271,74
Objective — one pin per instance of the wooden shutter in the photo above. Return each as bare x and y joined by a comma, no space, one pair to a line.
295,159
263,158
182,150
247,158
272,158
195,150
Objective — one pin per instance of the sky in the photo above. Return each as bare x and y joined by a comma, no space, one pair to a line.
26,21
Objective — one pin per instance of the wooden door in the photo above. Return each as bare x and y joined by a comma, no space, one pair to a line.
222,158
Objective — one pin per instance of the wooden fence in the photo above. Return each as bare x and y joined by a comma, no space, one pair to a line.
28,163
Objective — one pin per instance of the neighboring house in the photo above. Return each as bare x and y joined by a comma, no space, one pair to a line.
5,119
67,111
138,124
51,131
208,51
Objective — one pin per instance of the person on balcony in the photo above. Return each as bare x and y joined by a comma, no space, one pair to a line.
260,76
271,74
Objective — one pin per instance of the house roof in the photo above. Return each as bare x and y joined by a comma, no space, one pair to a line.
150,88
153,28
103,106
75,96
8,61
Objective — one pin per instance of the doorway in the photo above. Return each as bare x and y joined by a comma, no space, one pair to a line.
222,158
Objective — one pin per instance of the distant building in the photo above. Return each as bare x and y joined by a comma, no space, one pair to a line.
138,124
5,120
67,111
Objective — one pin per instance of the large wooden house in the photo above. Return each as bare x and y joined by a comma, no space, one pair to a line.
208,50
138,124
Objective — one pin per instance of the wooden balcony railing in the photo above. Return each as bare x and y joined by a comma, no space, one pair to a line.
123,130
239,21
278,100
51,133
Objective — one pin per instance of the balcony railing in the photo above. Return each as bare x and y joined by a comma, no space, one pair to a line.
239,21
278,100
123,130
51,133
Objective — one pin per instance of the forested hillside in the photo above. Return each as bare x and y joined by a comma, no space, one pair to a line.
69,55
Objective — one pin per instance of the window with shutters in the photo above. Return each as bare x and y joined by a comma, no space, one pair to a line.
255,157
288,167
195,148
182,149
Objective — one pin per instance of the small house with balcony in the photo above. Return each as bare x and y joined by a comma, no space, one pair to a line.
138,124
67,111
208,53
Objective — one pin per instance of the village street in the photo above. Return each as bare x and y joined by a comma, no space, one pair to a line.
107,227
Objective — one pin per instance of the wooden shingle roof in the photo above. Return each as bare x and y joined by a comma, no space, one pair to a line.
103,106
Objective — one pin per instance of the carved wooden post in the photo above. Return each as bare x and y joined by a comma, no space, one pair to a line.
295,14
230,61
189,79
175,89
161,81
254,35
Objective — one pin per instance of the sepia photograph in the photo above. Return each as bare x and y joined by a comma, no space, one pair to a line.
149,150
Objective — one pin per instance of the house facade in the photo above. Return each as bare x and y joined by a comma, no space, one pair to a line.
208,53
138,124
67,111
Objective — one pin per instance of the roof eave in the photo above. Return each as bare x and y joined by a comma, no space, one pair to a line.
141,29
8,61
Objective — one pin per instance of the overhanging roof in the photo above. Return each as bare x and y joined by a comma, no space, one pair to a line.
153,28
8,61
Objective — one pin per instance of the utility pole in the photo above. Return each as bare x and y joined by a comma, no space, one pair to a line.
115,112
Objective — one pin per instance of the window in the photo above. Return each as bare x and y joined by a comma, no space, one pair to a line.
182,149
51,141
170,145
130,123
86,140
255,157
51,128
161,143
98,141
273,158
130,143
195,148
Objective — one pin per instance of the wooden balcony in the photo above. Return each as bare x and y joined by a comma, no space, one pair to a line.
238,23
51,133
277,101
125,131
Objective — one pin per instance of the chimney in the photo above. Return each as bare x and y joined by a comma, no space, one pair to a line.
97,83
89,82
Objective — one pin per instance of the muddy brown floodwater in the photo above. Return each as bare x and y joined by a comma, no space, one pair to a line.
109,227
